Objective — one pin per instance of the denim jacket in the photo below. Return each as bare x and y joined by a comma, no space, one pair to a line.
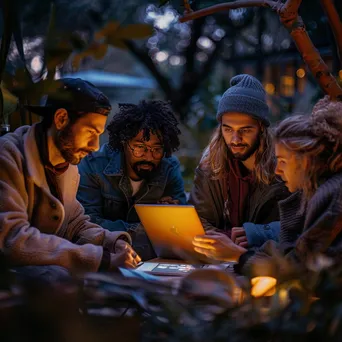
106,193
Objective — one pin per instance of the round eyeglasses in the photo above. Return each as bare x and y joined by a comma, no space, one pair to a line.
140,150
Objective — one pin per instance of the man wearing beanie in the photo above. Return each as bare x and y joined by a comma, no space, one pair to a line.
235,190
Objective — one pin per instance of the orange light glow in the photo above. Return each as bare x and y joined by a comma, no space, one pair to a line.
270,88
263,286
300,73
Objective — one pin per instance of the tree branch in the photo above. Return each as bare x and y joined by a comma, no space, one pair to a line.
335,24
288,13
314,61
230,5
144,58
306,48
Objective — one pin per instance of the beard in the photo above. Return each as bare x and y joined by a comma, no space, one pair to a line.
65,143
144,173
249,150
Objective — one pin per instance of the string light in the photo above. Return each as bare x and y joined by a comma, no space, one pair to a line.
161,56
270,88
300,73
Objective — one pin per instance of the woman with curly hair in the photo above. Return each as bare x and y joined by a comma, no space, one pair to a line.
135,166
309,159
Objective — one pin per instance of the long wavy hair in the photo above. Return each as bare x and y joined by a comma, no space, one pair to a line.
318,137
215,156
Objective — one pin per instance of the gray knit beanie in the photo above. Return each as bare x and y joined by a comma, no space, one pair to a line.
245,95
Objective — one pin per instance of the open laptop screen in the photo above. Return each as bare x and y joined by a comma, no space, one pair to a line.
170,228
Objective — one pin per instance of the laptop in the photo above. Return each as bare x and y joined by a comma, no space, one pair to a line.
171,229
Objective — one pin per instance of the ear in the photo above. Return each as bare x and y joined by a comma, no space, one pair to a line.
61,118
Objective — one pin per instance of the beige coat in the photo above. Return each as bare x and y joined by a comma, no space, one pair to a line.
35,227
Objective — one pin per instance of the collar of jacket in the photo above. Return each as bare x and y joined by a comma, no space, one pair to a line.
42,142
35,167
116,168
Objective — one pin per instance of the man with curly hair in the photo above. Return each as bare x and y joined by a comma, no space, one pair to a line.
135,166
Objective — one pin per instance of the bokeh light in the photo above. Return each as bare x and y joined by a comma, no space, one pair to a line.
300,73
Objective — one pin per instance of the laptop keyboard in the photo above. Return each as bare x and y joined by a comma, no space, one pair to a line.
186,268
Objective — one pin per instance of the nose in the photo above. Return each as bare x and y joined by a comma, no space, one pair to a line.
236,138
148,155
277,170
94,143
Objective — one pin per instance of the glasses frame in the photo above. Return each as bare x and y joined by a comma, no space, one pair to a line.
147,148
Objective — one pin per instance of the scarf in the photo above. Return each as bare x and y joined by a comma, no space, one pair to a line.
239,184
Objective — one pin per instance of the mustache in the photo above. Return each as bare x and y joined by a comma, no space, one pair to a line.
238,145
147,163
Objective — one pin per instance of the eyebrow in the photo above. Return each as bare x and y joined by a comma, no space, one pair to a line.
143,142
225,125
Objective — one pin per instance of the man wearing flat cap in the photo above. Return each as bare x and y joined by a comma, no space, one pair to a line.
43,229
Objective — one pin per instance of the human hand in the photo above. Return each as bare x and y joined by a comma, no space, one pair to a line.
239,237
121,245
124,256
168,200
217,246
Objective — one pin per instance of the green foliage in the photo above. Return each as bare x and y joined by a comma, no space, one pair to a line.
115,34
10,103
60,44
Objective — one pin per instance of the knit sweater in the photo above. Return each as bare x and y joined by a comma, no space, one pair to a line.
315,230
